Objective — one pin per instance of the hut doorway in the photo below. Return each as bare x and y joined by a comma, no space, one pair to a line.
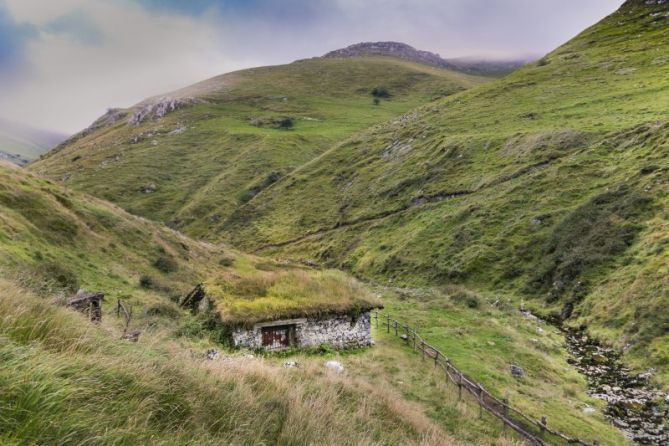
278,337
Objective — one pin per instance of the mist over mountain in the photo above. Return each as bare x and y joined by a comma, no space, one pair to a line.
21,143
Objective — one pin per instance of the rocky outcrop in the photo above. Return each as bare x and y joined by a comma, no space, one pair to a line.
391,49
159,109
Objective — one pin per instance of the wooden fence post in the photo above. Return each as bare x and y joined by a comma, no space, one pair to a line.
436,357
505,412
414,339
388,322
422,348
406,328
480,398
542,426
395,328
459,386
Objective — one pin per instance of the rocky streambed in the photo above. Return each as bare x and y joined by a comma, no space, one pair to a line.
633,405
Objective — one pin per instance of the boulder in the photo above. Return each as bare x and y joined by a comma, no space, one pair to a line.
517,372
335,366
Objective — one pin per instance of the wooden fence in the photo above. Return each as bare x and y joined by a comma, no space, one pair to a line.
536,432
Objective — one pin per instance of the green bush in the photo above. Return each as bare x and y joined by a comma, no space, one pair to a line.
146,282
166,264
381,92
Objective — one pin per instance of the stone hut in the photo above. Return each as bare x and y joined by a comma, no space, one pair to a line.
275,306
89,303
338,330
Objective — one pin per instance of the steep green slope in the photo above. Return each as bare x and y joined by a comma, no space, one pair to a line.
233,136
549,184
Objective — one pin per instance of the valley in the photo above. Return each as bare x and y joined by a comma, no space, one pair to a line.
246,225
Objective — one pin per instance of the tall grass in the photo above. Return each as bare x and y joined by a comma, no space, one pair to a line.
65,382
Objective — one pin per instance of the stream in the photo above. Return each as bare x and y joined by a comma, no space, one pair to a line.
633,405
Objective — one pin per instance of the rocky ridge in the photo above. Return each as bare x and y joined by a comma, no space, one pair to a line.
407,52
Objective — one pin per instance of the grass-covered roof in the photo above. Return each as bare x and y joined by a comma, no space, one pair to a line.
253,292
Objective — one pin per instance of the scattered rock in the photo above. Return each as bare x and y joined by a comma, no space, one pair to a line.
290,365
404,337
132,336
632,405
149,188
212,354
589,410
517,372
335,365
535,222
177,131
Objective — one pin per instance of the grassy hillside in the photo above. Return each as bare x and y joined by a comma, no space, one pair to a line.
241,133
66,381
86,385
550,184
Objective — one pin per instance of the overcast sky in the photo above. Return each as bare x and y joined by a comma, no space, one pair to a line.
63,62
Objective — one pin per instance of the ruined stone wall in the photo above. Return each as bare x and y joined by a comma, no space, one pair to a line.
339,331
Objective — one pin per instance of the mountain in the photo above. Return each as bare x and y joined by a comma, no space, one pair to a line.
406,52
192,157
21,144
549,186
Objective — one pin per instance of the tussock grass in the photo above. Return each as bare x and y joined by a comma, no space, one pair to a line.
63,382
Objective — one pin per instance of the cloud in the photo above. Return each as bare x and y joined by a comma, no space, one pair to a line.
77,25
74,58
13,38
92,54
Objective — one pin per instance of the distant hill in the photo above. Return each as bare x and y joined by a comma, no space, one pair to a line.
20,143
406,52
191,157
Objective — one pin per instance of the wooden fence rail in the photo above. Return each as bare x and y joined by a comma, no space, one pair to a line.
536,432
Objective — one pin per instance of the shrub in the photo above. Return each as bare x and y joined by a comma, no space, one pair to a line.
286,123
166,264
146,282
381,92
227,261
